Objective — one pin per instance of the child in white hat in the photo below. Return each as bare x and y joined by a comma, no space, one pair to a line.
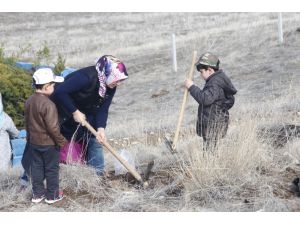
44,137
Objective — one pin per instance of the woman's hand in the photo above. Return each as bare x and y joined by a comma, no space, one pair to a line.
101,137
79,117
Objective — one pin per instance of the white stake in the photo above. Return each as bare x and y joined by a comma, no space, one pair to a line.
280,32
174,53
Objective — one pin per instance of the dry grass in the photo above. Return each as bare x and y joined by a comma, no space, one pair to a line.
244,174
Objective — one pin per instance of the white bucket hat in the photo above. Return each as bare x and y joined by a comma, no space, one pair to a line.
46,75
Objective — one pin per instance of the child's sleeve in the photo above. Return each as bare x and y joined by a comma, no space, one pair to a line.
207,96
11,129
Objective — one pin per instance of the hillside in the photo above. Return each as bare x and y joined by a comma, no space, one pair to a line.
245,174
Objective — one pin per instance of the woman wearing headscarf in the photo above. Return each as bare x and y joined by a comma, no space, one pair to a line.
8,130
86,94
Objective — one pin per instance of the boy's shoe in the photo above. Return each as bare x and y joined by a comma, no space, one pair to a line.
58,198
37,199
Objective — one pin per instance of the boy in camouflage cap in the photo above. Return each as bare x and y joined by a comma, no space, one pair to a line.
208,59
215,99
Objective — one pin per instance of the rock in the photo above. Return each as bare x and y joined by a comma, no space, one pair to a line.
160,93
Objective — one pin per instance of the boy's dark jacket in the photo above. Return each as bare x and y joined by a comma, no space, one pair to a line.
214,100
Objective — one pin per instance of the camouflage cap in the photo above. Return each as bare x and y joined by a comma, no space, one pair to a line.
208,59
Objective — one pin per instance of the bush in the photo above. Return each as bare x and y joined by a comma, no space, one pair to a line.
15,83
10,60
59,65
1,52
15,86
42,56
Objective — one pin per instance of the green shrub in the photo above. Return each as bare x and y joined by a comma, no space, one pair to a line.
15,83
42,55
60,64
11,60
1,52
15,87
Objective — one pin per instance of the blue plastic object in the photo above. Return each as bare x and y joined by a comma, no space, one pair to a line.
67,71
18,147
22,134
25,65
16,161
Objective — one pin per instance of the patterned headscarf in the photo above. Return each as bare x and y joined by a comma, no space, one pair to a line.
110,69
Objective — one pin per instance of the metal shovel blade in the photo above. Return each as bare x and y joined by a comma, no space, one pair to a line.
170,145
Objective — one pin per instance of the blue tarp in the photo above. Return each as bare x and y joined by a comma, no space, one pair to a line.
25,66
30,67
67,71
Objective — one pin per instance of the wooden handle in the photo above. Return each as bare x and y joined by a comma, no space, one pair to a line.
131,170
190,76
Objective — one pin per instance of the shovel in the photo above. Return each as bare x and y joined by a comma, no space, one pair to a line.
131,170
173,144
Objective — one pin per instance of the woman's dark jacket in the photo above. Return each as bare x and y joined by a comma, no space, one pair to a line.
214,100
80,91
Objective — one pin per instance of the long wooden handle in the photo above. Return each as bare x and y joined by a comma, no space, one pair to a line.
131,170
190,76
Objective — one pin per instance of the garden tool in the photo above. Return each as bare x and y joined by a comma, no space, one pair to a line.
173,144
131,170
